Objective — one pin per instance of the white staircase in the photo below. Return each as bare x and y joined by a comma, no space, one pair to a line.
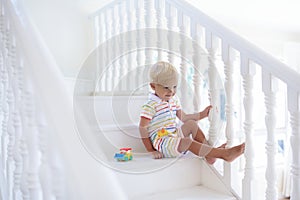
144,177
42,134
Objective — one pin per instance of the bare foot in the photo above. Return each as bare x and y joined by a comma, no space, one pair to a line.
234,152
211,160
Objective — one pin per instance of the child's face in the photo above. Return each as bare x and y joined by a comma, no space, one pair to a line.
165,93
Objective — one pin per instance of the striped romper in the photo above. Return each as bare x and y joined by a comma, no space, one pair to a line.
162,115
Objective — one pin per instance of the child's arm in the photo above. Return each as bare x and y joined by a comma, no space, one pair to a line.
197,116
146,140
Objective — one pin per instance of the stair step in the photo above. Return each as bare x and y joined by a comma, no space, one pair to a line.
193,193
144,175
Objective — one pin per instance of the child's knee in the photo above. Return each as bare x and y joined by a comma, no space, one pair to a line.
191,123
184,144
189,127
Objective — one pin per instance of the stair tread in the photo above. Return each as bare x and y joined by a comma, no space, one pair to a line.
193,193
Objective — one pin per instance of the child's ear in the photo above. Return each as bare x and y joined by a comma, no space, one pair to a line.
152,85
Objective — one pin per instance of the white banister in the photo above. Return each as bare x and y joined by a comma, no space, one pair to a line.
32,144
228,57
27,143
131,61
114,51
100,58
122,85
197,35
184,25
294,109
18,127
140,40
11,137
23,151
150,23
5,109
247,72
172,23
161,25
212,46
108,52
270,87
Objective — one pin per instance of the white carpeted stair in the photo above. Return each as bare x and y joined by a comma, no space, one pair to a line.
192,193
188,177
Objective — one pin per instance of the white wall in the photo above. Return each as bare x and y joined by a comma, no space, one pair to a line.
67,31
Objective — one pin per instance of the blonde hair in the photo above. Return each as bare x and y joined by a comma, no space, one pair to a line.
163,73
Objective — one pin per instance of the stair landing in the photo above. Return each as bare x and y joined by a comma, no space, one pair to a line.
193,193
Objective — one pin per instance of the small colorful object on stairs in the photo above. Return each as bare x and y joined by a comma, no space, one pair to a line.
125,154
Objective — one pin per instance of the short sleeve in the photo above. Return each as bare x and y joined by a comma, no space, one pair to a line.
148,111
177,103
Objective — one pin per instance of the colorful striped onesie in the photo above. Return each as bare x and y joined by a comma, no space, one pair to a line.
163,116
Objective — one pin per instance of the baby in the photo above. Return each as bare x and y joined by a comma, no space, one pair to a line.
159,116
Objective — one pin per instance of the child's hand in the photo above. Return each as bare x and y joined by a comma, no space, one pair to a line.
205,112
157,155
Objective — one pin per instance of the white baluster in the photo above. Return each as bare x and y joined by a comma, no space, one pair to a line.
197,33
294,109
140,41
122,84
115,49
212,46
108,73
11,104
99,58
31,132
269,86
17,73
5,111
161,26
150,22
172,23
131,58
24,153
17,157
184,25
11,139
228,56
248,71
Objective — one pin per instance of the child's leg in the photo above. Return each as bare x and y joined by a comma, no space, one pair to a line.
191,128
210,152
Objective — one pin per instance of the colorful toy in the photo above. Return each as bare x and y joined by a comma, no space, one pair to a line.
163,132
124,155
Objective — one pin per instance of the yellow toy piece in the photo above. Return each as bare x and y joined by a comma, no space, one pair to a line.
163,132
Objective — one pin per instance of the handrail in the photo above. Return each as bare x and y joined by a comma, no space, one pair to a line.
271,64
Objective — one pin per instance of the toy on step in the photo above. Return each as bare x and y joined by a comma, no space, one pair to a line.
124,155
163,132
